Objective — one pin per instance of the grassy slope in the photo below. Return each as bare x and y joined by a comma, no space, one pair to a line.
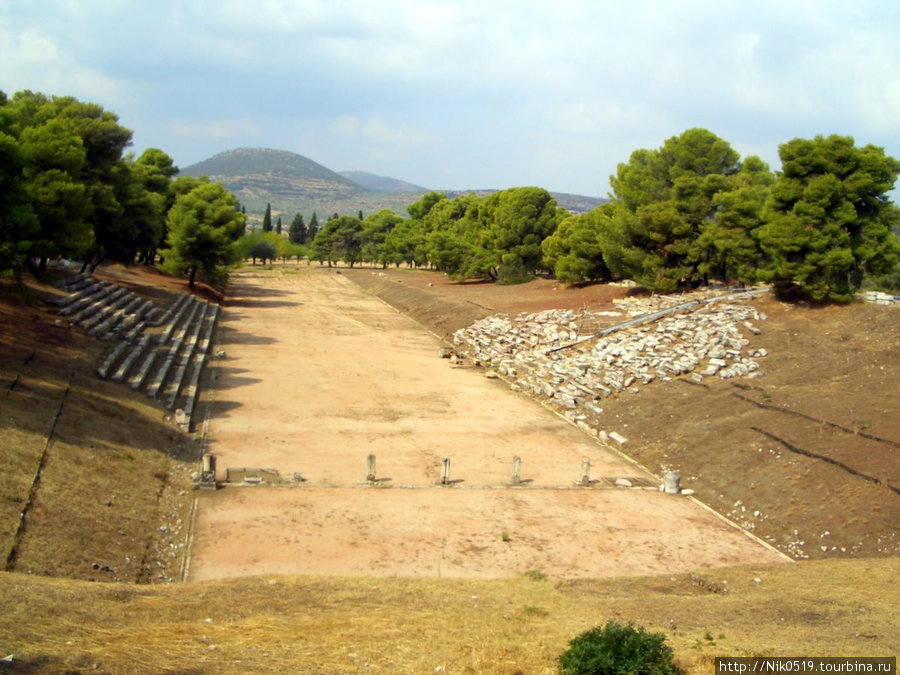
326,625
113,472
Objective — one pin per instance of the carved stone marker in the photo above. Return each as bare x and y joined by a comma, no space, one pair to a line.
585,471
445,470
673,482
370,468
208,472
516,471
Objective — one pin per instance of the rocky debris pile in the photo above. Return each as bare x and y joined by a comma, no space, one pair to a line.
556,355
878,298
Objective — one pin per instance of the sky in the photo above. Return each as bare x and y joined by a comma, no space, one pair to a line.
466,94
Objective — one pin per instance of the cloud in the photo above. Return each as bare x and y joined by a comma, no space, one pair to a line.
214,129
31,59
474,92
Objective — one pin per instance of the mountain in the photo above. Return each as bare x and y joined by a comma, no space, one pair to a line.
382,183
255,172
574,204
292,183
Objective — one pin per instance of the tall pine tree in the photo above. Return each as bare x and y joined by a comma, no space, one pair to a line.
297,230
267,219
313,229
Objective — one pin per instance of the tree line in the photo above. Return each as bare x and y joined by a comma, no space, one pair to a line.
69,190
688,213
684,215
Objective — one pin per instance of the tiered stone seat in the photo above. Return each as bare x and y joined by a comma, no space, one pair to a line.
165,363
200,356
186,354
174,348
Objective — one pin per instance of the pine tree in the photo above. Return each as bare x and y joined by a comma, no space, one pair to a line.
313,227
267,219
278,225
297,230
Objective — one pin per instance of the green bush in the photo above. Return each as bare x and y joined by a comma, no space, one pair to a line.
618,648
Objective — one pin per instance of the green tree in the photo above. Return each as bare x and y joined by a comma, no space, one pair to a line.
297,230
267,219
156,171
258,245
727,248
574,252
54,158
664,197
512,224
419,209
313,228
340,239
407,243
278,225
452,227
376,228
19,227
829,219
203,229
103,176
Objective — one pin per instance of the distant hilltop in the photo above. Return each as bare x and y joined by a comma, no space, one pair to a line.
292,183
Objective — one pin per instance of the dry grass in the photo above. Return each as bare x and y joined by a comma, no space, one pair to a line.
112,471
329,625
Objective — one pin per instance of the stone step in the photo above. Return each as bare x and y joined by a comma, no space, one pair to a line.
112,357
184,304
132,356
187,353
172,354
200,356
139,377
174,308
84,298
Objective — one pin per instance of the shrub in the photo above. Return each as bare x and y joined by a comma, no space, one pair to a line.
618,648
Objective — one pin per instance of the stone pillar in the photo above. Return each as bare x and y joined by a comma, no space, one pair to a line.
672,482
370,468
445,470
208,472
585,471
516,471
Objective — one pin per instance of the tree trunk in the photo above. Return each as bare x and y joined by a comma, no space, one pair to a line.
191,277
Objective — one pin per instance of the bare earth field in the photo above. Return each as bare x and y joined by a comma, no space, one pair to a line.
317,375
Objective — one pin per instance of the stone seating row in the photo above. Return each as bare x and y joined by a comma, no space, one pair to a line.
161,353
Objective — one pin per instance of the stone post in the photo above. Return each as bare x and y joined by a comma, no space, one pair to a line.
445,470
370,468
585,471
516,471
672,482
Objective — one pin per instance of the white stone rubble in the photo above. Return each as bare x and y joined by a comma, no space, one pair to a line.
700,342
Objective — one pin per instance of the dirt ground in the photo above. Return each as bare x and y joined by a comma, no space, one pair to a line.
805,456
317,375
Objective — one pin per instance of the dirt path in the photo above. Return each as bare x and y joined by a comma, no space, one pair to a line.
318,375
